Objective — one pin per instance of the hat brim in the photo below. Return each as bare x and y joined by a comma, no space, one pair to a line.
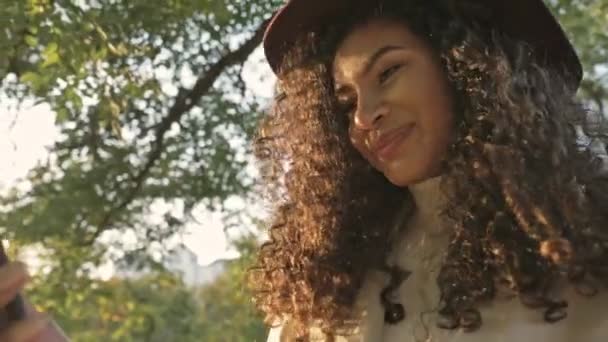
527,20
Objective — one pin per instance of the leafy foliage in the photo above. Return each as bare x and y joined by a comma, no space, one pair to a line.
153,308
151,104
233,318
585,22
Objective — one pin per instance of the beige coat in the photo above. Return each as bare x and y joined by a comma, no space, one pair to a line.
504,319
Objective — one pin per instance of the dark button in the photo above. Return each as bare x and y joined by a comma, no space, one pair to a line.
394,313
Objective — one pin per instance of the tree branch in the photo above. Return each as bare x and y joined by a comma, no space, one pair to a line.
183,104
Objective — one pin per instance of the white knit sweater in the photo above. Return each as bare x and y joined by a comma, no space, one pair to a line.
420,250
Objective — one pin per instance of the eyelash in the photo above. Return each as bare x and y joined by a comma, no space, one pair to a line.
387,73
347,107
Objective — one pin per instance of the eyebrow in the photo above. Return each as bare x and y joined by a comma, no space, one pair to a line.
379,53
371,61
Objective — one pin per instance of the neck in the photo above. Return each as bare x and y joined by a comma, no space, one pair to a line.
427,196
425,233
426,221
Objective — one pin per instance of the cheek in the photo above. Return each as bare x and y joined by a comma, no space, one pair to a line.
437,118
431,104
434,107
437,130
437,135
357,139
439,124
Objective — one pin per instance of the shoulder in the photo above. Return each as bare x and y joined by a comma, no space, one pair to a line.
587,315
274,335
586,319
286,332
367,303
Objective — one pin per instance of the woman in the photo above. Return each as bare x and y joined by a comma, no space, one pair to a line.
36,327
432,175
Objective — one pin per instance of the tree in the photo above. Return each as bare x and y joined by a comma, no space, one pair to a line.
585,21
130,136
157,307
227,311
152,106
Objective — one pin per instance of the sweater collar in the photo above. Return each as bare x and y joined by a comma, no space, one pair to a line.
418,237
428,196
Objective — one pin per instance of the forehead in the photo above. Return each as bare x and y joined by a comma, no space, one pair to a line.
354,51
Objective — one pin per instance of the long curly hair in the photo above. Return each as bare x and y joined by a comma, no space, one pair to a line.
527,198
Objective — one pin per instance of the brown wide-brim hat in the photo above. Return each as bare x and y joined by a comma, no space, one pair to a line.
526,20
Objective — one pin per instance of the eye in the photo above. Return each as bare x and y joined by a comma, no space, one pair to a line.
387,73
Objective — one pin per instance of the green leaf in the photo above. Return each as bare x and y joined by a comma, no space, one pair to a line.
62,115
30,78
50,55
32,41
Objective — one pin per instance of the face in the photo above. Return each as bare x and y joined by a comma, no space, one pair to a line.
391,85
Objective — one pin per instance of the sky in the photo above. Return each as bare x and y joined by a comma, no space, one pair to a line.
26,133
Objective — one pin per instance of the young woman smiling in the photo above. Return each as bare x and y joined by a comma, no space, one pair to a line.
431,176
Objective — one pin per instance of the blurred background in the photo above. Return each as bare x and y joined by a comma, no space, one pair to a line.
127,181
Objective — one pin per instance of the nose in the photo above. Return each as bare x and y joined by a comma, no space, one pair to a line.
369,113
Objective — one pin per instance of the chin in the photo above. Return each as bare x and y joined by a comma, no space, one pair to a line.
403,177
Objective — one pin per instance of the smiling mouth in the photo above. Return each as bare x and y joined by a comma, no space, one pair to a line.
388,147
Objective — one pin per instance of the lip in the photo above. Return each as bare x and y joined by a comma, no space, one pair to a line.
387,144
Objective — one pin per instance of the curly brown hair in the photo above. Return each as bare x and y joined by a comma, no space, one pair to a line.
527,201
